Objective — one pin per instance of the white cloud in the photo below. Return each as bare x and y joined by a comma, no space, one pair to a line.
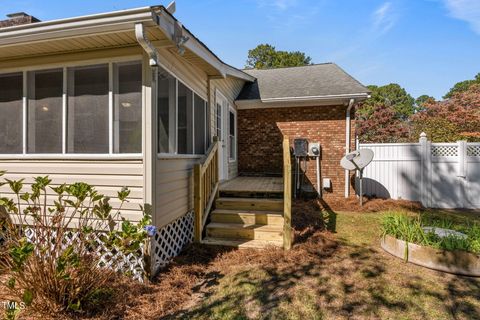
466,10
384,18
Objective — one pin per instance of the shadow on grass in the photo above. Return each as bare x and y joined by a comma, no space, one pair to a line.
324,276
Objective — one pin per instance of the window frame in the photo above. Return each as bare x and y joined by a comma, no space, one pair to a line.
64,66
232,110
175,154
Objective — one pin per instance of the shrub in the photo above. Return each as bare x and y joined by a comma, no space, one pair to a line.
50,244
411,229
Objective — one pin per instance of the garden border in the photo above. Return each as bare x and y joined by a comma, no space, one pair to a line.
456,262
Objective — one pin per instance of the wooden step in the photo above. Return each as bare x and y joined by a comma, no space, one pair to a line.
247,217
245,231
249,204
242,243
251,194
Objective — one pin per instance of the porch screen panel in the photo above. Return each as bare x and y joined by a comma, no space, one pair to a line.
11,113
45,104
166,112
200,125
88,123
185,119
128,108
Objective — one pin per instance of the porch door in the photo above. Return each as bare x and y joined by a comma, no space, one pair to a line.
221,113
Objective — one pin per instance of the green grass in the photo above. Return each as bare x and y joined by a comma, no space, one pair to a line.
357,280
409,228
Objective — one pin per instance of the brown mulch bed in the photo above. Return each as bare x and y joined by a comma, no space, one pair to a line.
352,204
193,274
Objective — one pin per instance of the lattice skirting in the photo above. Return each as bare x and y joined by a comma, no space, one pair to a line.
131,263
169,241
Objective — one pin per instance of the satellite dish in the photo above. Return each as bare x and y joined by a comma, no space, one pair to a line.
358,160
172,7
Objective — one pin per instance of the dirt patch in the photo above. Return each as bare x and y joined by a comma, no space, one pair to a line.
343,274
192,276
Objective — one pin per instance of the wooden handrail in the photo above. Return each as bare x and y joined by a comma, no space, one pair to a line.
287,195
206,183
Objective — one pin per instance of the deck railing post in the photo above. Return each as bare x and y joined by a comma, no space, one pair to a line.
287,195
197,199
205,191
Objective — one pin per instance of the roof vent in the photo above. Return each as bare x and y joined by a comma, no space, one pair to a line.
18,18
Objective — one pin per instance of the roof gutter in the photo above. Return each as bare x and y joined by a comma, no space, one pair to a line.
313,98
74,27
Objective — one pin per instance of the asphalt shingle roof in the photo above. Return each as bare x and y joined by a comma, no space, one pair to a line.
314,80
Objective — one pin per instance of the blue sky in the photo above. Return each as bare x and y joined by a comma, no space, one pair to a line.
424,45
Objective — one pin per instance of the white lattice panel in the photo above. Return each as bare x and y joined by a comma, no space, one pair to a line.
170,240
444,151
167,243
112,258
473,151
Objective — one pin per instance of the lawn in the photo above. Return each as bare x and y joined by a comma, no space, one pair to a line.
339,273
342,274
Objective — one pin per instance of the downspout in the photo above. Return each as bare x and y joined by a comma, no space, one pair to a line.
147,46
347,145
149,120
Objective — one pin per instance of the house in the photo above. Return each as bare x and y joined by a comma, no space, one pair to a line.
132,98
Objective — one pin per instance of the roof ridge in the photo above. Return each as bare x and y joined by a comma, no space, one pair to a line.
290,67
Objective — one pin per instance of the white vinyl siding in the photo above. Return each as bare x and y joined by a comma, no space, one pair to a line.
107,176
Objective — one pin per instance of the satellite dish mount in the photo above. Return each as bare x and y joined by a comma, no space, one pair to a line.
358,160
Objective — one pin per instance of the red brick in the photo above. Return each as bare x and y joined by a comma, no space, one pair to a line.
261,131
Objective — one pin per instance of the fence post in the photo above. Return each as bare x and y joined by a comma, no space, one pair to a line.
462,171
462,157
424,167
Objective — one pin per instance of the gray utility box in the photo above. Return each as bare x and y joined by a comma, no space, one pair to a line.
300,147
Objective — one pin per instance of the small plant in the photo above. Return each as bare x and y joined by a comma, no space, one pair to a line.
50,244
411,229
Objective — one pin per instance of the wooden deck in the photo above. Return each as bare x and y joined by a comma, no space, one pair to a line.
267,185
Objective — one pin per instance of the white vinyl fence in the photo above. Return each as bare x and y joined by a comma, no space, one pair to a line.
439,175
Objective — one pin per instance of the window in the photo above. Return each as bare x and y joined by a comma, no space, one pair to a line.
11,110
167,105
95,109
200,125
218,121
232,146
45,111
127,117
88,109
182,118
185,120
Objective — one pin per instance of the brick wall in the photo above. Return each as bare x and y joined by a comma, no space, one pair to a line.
261,131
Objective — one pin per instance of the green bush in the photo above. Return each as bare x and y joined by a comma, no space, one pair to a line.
57,269
410,229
